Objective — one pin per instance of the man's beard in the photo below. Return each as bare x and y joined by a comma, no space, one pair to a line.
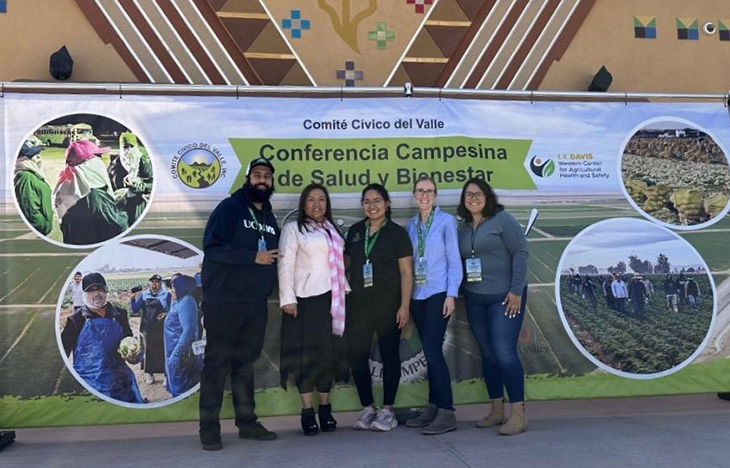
260,193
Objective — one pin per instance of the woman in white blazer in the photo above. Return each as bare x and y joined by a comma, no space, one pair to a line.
312,288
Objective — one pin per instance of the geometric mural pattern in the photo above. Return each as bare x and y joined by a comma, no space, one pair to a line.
645,27
688,29
488,44
724,29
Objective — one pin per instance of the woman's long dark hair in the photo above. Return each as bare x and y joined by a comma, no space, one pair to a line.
491,205
383,193
302,216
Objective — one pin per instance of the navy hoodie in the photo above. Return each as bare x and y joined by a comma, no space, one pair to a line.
230,273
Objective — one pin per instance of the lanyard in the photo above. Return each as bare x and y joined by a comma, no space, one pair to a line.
370,243
261,227
474,235
423,234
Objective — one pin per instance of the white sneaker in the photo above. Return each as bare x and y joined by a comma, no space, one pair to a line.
365,420
384,421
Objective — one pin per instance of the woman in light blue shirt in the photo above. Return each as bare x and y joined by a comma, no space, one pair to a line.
437,275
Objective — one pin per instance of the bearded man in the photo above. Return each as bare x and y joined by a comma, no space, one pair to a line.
239,273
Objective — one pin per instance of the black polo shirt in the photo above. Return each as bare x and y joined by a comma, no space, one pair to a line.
393,244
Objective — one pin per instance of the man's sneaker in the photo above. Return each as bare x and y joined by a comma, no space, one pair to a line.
384,421
255,431
211,440
365,420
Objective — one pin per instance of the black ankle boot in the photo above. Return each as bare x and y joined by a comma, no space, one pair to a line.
326,421
309,423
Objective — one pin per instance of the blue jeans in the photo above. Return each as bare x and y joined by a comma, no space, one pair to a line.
496,334
428,314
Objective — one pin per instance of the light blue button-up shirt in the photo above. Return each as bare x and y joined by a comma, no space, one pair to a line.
443,261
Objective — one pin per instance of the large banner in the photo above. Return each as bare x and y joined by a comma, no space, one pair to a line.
123,187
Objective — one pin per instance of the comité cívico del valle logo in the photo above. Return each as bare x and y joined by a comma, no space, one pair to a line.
198,165
542,167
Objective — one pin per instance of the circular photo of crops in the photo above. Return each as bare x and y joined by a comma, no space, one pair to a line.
82,179
129,321
676,174
635,298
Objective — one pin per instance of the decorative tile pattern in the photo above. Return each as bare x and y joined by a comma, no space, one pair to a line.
420,4
645,27
350,74
688,29
724,29
381,35
295,24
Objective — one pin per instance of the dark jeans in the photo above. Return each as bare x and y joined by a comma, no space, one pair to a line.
621,304
235,336
496,334
431,325
367,313
638,305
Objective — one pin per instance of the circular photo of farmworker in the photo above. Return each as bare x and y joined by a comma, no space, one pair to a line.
82,179
676,174
635,298
129,321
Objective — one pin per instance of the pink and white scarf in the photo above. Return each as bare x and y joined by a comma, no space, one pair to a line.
337,275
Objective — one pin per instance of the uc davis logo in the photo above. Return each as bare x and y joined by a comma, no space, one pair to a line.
198,165
542,167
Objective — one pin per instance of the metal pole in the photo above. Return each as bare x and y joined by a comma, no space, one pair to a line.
336,91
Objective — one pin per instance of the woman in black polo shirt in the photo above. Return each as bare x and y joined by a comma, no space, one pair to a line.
379,253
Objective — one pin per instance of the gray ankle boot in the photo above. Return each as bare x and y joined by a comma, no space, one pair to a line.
425,418
445,421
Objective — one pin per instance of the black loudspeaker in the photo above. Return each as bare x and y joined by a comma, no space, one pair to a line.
602,81
61,65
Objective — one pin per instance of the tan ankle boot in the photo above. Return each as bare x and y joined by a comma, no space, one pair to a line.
517,422
495,416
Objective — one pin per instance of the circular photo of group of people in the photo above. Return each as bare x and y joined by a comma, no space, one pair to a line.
129,322
82,179
635,298
676,174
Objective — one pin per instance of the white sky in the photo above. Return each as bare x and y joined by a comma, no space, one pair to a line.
612,241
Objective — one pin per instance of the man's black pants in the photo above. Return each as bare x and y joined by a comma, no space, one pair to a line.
235,336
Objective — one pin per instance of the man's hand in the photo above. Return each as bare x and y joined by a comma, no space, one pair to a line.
267,257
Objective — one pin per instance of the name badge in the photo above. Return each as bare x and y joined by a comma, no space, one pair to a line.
262,245
421,271
473,270
367,275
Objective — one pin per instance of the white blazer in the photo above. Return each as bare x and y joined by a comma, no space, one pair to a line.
303,265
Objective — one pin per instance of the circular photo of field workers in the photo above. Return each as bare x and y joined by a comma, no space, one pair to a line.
635,298
82,179
676,174
129,322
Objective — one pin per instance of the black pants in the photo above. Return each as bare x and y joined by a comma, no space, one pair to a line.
370,312
235,336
